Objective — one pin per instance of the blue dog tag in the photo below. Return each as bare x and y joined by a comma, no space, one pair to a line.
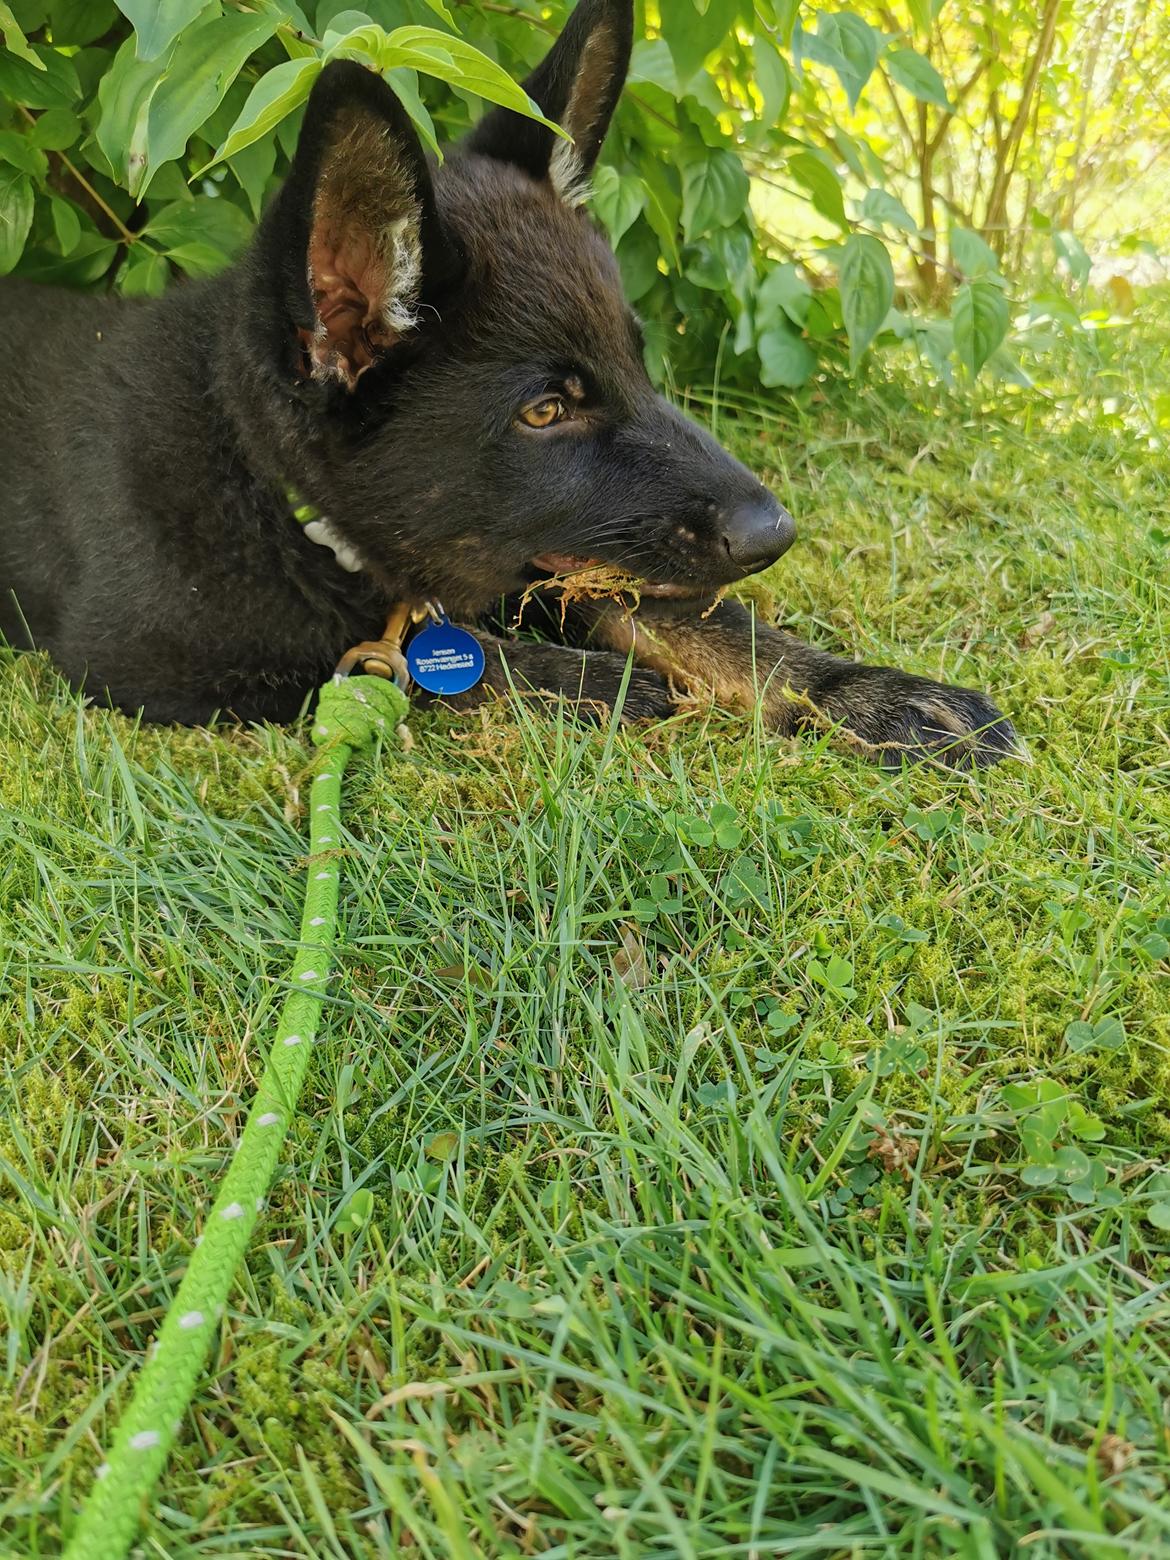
444,658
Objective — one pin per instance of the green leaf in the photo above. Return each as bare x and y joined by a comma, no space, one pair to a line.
917,75
651,63
275,96
922,14
196,258
1074,254
722,262
441,10
212,221
714,191
88,262
1158,1214
783,291
16,213
866,279
846,44
78,22
55,129
15,41
637,256
18,150
887,210
66,224
356,1213
785,12
206,61
822,183
663,205
1107,1034
617,200
157,23
780,1022
405,84
839,971
1090,1128
357,35
971,254
433,53
773,82
252,166
935,339
124,97
342,22
691,37
145,274
444,1145
52,83
723,816
1072,1164
980,315
834,975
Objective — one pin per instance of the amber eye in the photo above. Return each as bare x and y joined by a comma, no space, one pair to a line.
544,413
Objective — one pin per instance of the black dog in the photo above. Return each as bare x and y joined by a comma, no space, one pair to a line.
442,363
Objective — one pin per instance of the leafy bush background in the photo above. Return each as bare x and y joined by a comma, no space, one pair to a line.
786,185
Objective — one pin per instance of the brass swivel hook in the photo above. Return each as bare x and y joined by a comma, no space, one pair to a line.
382,657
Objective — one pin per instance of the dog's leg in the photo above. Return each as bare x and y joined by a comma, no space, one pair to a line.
729,656
590,680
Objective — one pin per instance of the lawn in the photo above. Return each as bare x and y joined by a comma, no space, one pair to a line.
717,1146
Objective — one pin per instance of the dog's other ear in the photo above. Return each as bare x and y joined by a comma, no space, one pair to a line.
354,235
577,85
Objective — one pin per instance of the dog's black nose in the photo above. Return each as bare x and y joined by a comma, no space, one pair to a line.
757,533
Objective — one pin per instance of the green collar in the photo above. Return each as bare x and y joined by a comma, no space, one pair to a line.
302,513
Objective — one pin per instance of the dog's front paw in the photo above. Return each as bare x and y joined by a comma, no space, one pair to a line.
898,716
591,683
648,695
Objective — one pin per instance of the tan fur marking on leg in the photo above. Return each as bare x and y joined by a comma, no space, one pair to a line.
944,717
701,660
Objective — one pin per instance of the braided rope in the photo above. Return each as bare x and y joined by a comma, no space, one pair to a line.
350,714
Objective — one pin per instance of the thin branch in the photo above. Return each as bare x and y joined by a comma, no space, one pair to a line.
127,236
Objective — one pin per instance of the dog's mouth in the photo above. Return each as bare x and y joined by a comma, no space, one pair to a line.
572,563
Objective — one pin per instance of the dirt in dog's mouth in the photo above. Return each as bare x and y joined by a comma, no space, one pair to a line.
576,576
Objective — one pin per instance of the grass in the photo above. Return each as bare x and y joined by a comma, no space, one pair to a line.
719,1147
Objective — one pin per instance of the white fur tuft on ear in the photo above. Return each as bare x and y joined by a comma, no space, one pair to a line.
400,243
569,178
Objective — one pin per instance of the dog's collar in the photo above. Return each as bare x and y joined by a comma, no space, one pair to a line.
317,529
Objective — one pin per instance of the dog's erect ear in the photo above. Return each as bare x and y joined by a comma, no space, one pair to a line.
355,234
577,85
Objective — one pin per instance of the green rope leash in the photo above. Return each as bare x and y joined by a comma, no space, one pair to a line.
350,714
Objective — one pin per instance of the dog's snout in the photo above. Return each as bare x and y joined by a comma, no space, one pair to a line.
755,534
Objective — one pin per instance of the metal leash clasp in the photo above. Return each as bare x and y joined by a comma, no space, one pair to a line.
382,657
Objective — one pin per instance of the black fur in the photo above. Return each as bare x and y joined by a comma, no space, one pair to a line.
147,448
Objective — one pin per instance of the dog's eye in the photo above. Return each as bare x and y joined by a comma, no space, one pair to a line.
544,413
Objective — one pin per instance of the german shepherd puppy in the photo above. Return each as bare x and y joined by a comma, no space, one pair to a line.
441,362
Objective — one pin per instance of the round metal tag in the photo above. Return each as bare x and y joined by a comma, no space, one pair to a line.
445,659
